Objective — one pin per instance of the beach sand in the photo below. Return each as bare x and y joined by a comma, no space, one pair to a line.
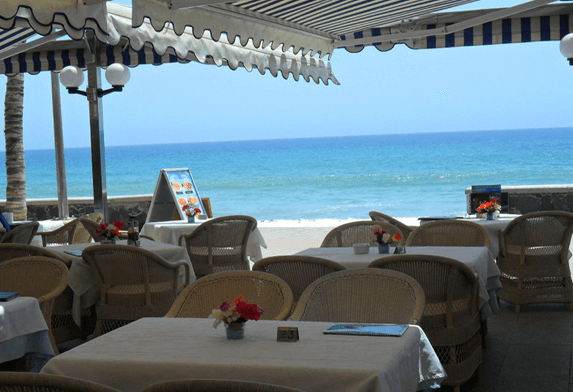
291,237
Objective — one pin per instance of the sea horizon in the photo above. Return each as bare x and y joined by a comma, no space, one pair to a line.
311,179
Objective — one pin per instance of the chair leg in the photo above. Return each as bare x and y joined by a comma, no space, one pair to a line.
517,308
483,331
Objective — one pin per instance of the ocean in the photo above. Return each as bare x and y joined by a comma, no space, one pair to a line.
314,179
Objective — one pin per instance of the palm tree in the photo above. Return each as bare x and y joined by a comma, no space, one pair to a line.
13,132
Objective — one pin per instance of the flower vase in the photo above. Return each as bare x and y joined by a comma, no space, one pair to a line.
235,331
383,248
490,216
108,241
191,219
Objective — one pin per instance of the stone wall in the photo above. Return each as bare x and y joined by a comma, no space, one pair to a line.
119,207
532,198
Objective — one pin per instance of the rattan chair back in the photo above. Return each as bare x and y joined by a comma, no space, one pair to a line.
298,271
21,234
2,233
533,259
41,277
365,295
268,291
219,244
449,232
380,217
133,283
91,227
216,386
14,251
82,235
35,382
352,233
452,317
63,235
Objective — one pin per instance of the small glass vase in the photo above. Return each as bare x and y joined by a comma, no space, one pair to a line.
235,331
108,241
190,219
490,216
383,248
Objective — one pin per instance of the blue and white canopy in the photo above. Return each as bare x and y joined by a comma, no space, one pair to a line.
120,42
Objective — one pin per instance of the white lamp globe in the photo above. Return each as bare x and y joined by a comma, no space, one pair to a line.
117,74
566,47
71,76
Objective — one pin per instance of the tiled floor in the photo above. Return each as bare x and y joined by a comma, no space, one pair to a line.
529,351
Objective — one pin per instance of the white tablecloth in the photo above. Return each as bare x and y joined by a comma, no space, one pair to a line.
152,350
83,282
170,231
23,329
479,259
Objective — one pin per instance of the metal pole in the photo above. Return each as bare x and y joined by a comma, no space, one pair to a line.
63,210
97,137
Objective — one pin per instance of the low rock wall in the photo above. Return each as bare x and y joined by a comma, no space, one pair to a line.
532,198
119,207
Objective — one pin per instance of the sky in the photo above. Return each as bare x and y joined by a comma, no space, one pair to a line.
513,86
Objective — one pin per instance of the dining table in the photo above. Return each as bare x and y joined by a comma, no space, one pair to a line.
83,282
152,350
24,332
478,258
170,232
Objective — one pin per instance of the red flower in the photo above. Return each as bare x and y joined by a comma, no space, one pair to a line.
248,311
119,225
102,227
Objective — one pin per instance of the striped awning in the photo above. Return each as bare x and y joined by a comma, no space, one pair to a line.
9,38
304,25
547,23
143,45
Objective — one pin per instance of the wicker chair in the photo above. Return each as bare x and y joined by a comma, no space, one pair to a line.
63,235
219,244
533,259
90,226
451,318
14,251
216,386
34,382
133,283
352,233
364,295
450,232
21,234
82,235
2,233
380,217
41,277
297,271
63,326
270,292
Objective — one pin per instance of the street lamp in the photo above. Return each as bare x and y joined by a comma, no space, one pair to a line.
566,47
116,74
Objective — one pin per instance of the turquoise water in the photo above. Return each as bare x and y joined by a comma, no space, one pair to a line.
324,178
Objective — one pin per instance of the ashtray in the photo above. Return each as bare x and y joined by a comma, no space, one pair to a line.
361,249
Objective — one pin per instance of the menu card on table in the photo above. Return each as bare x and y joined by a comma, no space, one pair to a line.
8,295
368,329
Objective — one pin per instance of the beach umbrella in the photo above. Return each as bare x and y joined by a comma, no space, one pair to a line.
102,34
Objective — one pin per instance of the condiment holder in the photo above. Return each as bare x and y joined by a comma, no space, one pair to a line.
361,249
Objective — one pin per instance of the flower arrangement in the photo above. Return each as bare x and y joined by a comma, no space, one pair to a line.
491,206
191,209
108,231
238,311
383,237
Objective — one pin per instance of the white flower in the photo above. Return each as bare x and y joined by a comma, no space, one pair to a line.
385,237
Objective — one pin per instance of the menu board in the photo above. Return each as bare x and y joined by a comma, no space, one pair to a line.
175,188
